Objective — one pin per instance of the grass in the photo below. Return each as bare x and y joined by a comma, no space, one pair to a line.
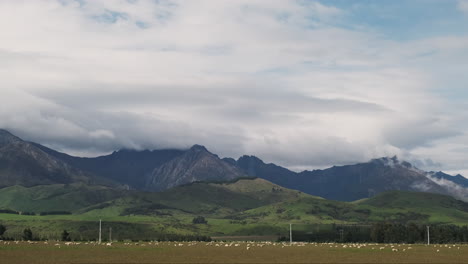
218,252
244,207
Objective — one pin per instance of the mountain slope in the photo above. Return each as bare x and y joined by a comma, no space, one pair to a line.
22,163
29,164
155,170
457,179
246,206
196,164
129,167
346,183
219,199
393,206
55,197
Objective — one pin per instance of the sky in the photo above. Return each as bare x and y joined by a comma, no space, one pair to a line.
303,84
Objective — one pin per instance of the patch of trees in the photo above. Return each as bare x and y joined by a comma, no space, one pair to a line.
412,233
55,213
383,232
199,220
177,237
280,210
243,222
65,236
153,209
27,213
27,234
8,211
2,230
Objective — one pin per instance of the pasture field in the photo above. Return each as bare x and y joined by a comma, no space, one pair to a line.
227,252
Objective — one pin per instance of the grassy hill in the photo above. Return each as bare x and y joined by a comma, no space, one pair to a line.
210,199
56,197
243,207
435,208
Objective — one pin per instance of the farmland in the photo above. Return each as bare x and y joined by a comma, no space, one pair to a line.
247,207
227,252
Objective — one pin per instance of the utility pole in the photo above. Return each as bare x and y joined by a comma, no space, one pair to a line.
110,234
342,235
290,233
428,236
99,231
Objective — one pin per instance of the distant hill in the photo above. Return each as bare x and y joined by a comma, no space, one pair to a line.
259,201
55,197
23,163
457,179
246,207
29,164
194,198
155,170
129,167
196,164
245,200
354,182
393,206
210,199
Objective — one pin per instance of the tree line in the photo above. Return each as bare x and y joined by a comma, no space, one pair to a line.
378,233
28,235
382,232
8,211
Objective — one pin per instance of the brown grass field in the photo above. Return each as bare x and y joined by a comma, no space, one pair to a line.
228,252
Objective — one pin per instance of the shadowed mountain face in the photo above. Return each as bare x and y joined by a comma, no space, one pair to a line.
196,164
22,163
129,167
29,164
7,138
348,183
457,179
156,170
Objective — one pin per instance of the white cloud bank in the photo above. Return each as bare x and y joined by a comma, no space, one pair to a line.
463,6
277,79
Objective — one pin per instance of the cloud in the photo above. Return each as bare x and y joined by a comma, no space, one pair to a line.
463,6
283,80
452,188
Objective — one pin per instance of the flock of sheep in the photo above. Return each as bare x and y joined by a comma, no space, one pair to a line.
247,245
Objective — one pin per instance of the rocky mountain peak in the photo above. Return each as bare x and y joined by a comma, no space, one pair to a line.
393,162
196,164
198,148
7,138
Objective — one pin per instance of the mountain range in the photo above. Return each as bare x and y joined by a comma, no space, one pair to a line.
153,193
29,164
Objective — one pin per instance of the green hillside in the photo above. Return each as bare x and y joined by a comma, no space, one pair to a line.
56,197
433,208
394,206
243,207
210,199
